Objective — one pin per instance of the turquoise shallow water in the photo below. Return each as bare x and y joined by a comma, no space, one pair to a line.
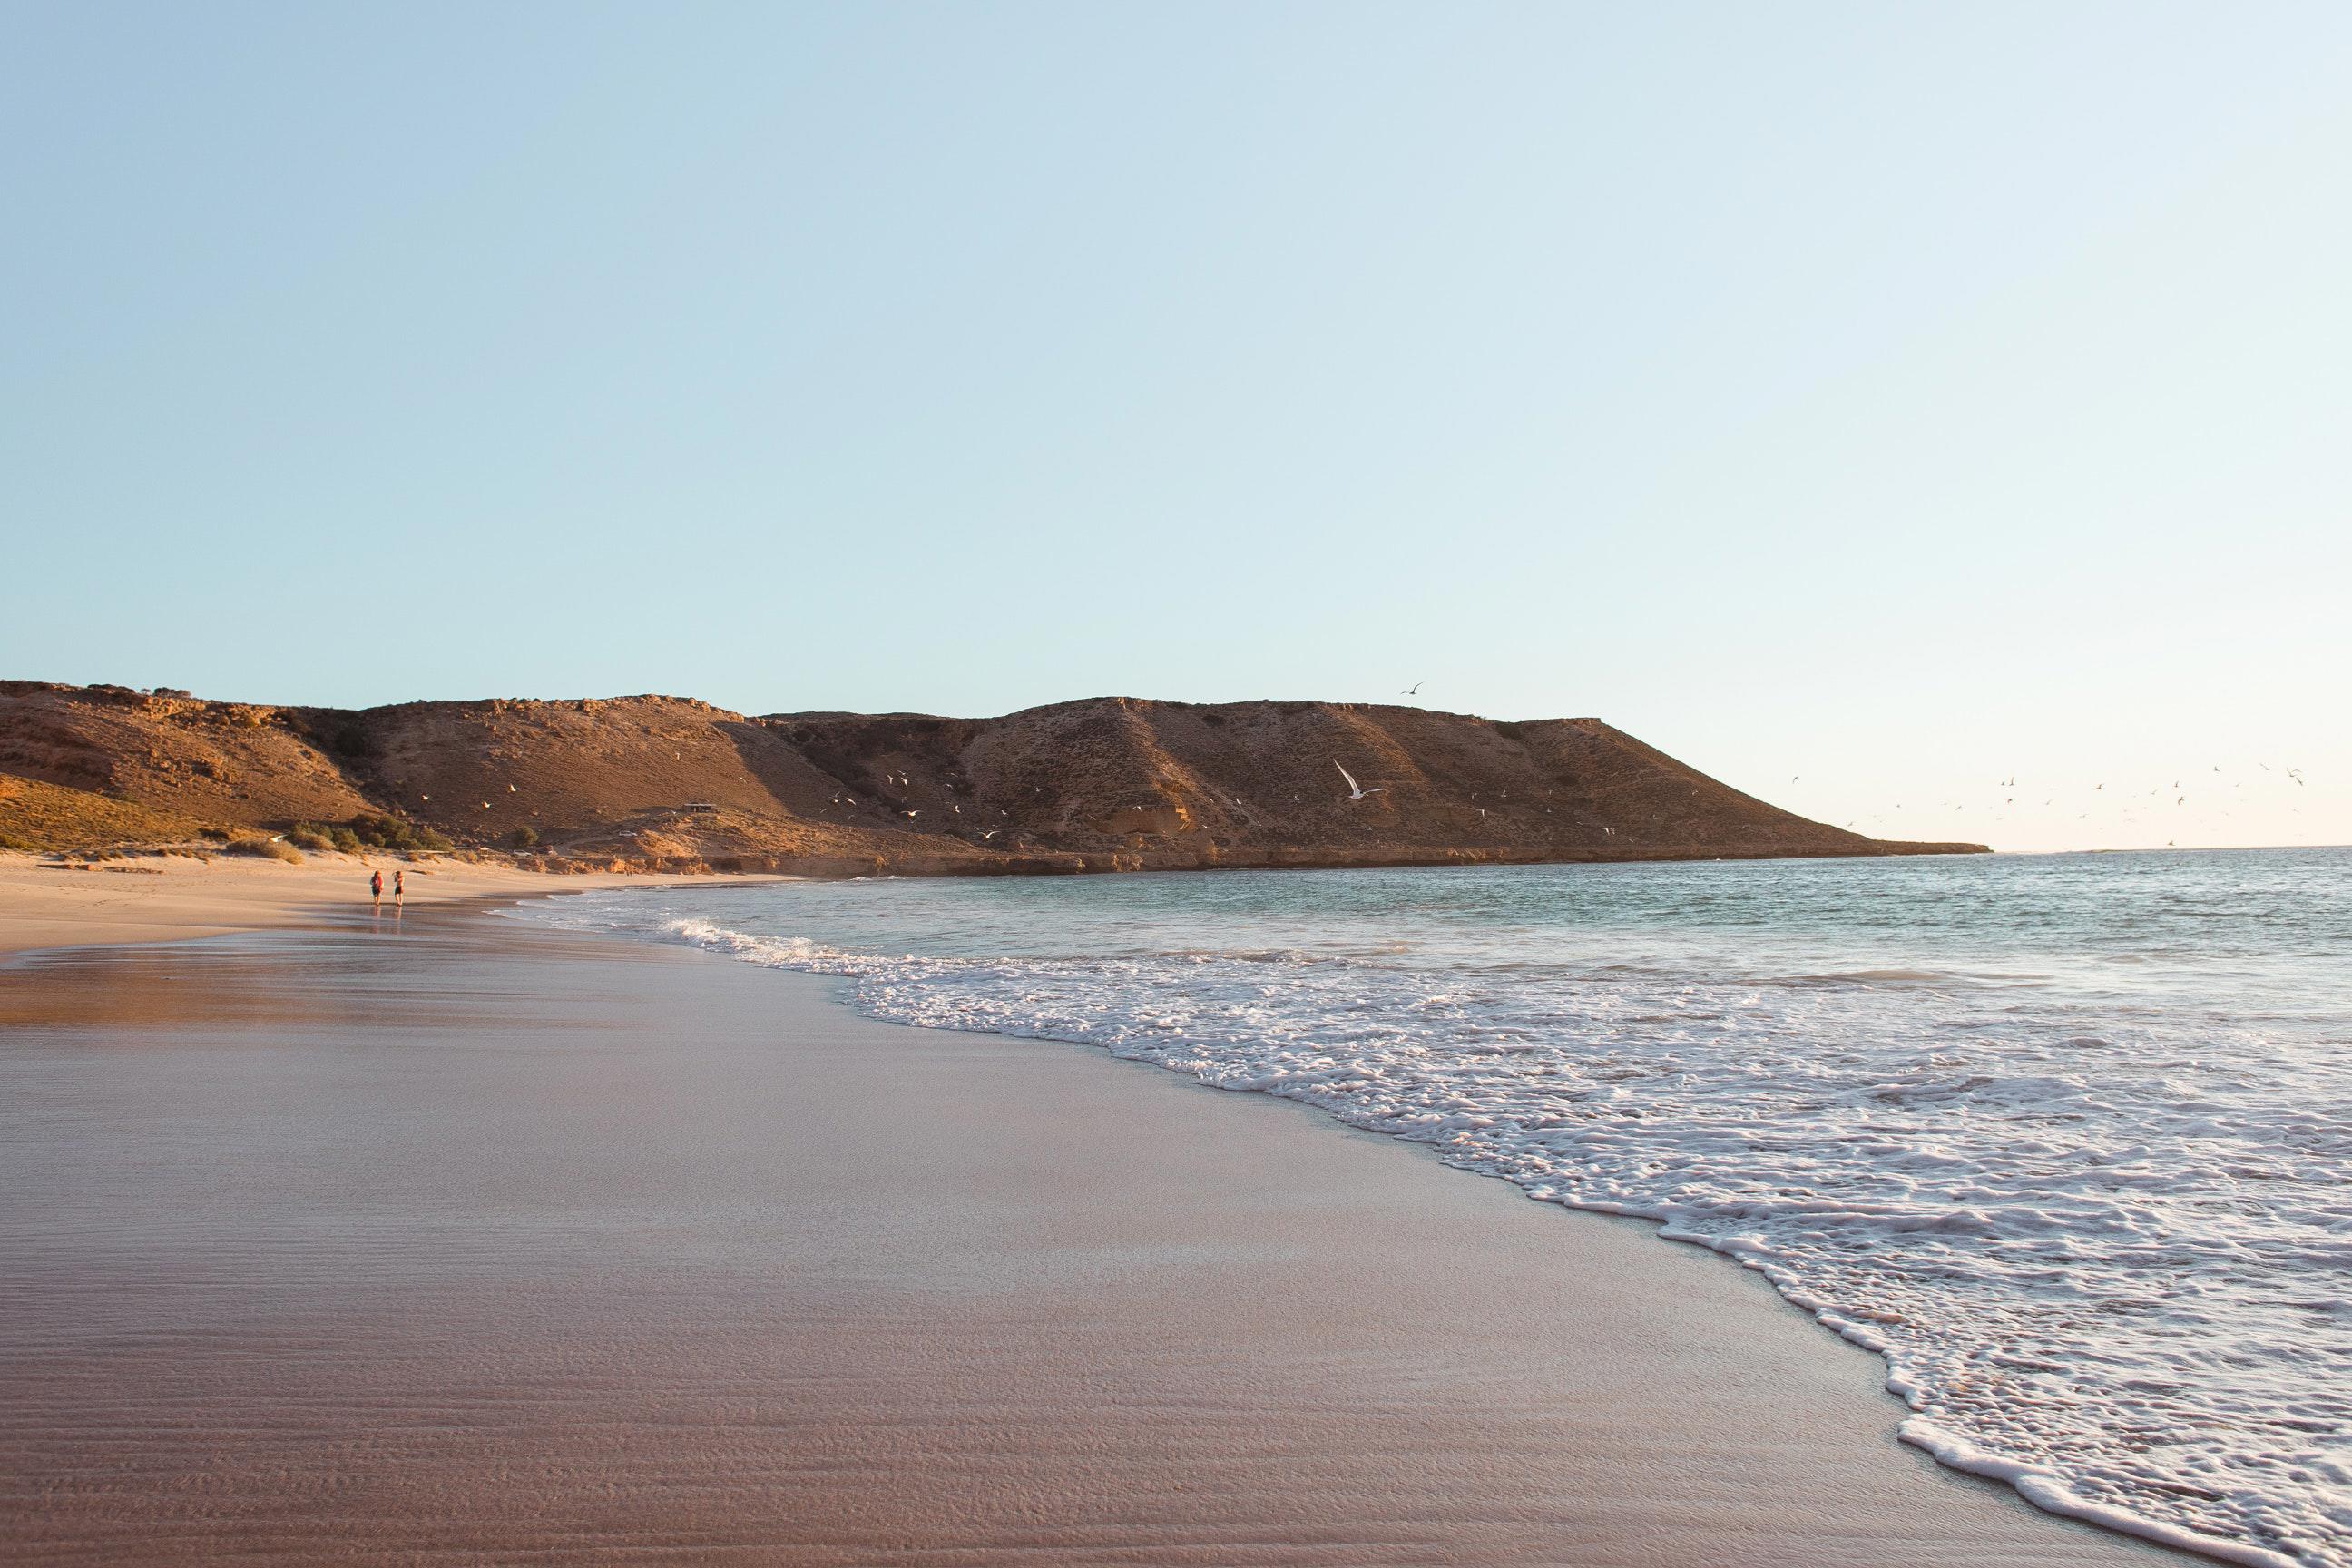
2067,1138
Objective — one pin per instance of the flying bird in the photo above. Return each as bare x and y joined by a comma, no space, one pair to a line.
1356,791
1410,690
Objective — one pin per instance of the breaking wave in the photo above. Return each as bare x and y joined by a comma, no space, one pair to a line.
2090,1195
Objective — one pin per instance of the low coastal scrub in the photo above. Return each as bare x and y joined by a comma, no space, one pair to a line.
366,833
396,833
523,837
268,849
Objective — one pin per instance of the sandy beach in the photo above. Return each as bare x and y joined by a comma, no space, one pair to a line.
57,901
450,1241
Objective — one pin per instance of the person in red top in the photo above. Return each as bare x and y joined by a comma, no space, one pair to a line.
376,887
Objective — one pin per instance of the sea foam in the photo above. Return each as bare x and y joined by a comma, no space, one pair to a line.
2064,1139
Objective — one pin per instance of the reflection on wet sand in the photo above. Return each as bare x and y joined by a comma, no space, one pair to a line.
454,1244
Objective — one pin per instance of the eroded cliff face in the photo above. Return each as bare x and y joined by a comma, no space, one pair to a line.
1100,785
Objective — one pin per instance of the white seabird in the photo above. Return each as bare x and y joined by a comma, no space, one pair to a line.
1355,790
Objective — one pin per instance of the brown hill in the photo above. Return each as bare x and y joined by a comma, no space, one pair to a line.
227,763
1101,784
37,816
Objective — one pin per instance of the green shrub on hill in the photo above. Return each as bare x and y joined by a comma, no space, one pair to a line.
395,833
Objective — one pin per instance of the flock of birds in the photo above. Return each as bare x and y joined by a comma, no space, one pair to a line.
1879,822
1356,791
1357,794
2130,803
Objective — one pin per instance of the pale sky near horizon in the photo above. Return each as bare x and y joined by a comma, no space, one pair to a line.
1866,404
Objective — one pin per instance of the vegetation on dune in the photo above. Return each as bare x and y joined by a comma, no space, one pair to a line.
396,833
366,832
268,849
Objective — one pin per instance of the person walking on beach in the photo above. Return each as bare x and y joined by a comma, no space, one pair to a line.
399,888
375,888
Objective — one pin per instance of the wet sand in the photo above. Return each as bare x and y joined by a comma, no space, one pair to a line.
457,1242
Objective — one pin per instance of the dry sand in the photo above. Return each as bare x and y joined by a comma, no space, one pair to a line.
447,1242
166,897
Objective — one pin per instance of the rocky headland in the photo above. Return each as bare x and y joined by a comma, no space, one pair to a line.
665,783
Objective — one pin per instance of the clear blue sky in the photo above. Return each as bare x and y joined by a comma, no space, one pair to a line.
1866,403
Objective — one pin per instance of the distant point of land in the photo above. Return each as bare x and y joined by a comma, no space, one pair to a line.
665,783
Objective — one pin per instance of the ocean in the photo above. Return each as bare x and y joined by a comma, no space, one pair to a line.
2067,1139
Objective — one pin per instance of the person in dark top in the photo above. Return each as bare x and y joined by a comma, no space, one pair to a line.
399,888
